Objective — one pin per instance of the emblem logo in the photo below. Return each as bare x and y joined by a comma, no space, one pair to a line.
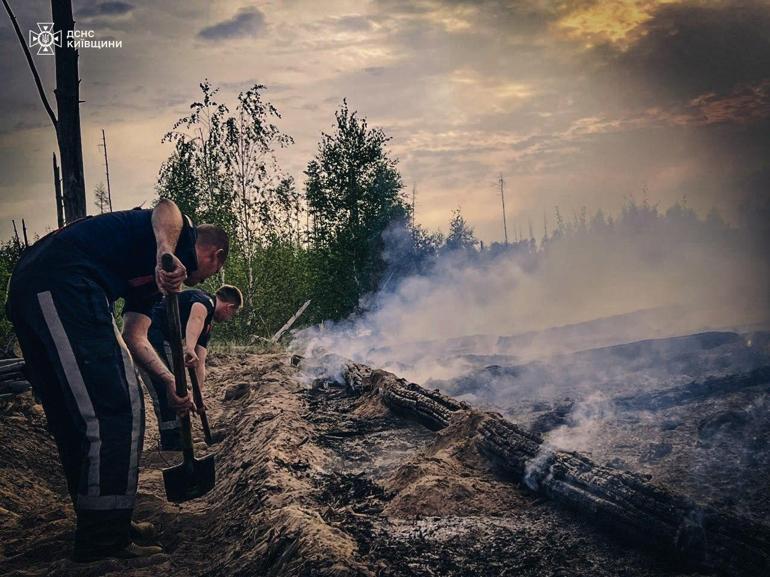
45,38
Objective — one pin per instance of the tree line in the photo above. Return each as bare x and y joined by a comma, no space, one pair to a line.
346,235
325,243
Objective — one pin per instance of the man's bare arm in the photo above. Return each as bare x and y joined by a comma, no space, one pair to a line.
193,332
195,323
200,369
167,225
135,326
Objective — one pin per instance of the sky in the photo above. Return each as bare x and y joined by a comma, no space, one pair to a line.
579,103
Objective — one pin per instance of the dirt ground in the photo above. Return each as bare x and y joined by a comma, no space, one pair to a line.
309,482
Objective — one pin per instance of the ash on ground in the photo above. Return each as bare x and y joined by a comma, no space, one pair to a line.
312,481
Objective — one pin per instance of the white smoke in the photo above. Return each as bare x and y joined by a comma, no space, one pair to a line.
552,339
649,276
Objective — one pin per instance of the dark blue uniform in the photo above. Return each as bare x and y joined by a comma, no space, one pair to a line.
158,335
60,302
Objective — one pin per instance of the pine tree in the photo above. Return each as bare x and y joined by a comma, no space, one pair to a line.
354,192
101,199
460,235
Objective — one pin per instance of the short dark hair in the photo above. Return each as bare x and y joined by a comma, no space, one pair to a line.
230,294
212,235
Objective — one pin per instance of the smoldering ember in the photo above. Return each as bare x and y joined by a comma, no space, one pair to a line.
393,288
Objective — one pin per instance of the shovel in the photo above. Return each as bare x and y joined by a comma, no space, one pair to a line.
198,398
193,477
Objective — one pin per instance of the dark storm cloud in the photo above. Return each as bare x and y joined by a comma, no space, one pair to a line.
246,23
687,50
105,9
466,88
25,121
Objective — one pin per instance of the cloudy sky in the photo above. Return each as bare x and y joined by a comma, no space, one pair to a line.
576,103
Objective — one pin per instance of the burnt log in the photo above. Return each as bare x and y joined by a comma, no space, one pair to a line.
626,503
12,378
13,366
15,387
431,408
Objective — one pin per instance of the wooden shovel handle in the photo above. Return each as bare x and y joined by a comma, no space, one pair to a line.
177,360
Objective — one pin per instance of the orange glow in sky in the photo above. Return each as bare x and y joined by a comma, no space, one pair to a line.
613,21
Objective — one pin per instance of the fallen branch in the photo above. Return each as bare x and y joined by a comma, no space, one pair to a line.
289,323
14,366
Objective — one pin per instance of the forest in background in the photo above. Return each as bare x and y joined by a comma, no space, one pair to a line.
350,233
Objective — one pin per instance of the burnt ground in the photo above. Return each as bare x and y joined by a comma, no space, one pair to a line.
310,482
421,504
692,413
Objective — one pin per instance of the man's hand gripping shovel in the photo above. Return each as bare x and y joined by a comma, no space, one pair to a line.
193,477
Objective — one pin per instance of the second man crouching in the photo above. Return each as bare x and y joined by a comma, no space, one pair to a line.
198,310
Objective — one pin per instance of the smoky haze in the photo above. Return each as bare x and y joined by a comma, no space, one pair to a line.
595,282
640,342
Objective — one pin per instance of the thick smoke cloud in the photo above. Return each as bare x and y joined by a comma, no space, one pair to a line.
644,276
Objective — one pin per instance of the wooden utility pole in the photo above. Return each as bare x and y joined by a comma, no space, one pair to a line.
57,191
502,197
107,170
16,236
24,230
68,106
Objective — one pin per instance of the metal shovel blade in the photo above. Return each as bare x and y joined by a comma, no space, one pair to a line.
189,480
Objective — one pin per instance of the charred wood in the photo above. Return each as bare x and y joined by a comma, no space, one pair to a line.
15,387
695,391
12,378
12,366
624,502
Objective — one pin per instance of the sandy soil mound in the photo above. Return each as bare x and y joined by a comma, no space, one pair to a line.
310,482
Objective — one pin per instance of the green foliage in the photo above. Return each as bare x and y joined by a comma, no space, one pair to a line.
223,171
460,235
281,283
353,194
178,181
195,176
358,238
9,256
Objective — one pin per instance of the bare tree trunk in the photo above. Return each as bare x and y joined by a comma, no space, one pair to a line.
107,170
68,106
57,191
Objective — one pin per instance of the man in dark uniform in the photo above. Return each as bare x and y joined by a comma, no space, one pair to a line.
198,310
60,302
